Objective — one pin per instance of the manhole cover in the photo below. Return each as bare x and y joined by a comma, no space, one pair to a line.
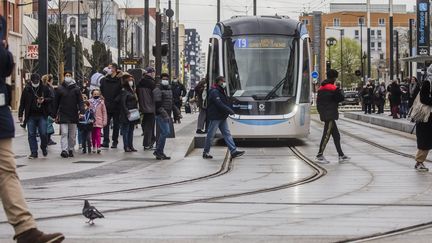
88,161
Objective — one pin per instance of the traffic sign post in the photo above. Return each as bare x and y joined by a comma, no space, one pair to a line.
315,75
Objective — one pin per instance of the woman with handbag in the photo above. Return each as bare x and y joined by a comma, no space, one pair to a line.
129,113
424,122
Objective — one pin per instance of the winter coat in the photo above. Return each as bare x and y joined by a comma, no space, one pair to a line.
68,103
218,107
178,91
199,91
328,99
111,88
128,101
86,122
7,128
395,94
424,129
163,98
367,94
100,112
29,99
144,90
52,104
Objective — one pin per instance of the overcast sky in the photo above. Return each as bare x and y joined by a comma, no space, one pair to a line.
201,14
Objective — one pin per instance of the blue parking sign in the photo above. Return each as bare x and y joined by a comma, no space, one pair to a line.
315,74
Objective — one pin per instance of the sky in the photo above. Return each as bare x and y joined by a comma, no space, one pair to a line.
201,14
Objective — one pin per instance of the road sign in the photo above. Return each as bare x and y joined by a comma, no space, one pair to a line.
131,61
32,52
331,41
315,74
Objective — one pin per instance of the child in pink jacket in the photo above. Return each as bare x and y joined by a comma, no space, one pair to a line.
97,104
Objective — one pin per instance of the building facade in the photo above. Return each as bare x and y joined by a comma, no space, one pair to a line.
192,53
350,21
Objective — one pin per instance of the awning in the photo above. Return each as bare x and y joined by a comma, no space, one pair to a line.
420,59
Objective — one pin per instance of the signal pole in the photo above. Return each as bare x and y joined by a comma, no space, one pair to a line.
391,40
410,33
43,36
158,53
169,14
368,40
255,7
146,34
218,11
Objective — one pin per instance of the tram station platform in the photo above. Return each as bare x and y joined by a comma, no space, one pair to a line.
383,120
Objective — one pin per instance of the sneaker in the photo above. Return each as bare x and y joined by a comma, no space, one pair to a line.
94,150
44,152
237,154
79,146
164,157
105,145
33,156
199,131
114,145
84,151
158,156
133,150
343,159
64,154
321,159
98,151
419,166
207,156
36,236
70,153
51,142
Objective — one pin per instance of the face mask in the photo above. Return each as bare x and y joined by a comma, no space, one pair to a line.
165,82
131,83
175,81
109,71
96,97
68,79
223,85
35,85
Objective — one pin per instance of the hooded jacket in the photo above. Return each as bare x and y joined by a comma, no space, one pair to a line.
144,92
111,88
218,107
328,100
68,103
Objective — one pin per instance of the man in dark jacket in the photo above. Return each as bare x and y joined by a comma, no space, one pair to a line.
11,194
68,107
35,103
395,98
179,91
111,89
144,92
328,100
218,110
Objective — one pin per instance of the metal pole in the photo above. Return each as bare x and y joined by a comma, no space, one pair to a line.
132,44
158,53
368,40
391,40
169,42
410,33
255,7
177,14
79,17
119,41
43,36
100,23
397,54
146,34
361,51
341,55
218,11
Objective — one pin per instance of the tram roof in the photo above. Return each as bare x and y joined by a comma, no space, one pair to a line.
260,25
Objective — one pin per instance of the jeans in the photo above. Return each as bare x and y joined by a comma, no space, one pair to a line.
223,127
404,108
39,123
164,128
86,139
116,126
127,130
11,192
68,136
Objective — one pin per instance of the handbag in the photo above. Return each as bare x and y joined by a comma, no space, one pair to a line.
419,112
134,115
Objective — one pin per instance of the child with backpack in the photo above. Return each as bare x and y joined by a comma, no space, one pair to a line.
86,126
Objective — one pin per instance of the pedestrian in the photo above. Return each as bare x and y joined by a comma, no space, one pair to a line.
191,100
97,104
86,126
403,107
85,87
367,94
163,98
111,87
395,99
35,104
144,92
424,129
47,80
218,110
129,113
328,99
379,94
179,91
12,197
414,89
201,99
68,109
80,139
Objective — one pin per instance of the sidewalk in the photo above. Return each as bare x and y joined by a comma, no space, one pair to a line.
384,120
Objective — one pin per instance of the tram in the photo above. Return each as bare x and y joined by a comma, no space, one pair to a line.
266,63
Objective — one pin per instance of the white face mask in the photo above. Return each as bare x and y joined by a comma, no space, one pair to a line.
35,85
68,79
165,82
223,85
109,71
131,83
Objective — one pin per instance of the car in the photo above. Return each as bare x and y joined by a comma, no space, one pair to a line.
351,98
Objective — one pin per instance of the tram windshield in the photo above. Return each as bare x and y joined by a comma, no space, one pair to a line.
262,67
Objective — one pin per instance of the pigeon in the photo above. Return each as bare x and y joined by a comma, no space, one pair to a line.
91,212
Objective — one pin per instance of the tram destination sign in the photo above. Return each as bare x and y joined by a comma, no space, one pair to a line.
261,43
423,27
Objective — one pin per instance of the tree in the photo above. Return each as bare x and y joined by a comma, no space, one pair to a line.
79,58
100,12
56,40
101,56
69,50
350,61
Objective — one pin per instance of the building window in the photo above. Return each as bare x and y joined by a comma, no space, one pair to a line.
372,45
361,21
336,22
379,33
379,46
373,33
356,34
381,56
305,21
381,22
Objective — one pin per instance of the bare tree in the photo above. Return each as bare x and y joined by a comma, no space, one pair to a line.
100,13
129,23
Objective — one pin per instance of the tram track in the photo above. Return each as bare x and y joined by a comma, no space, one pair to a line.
317,173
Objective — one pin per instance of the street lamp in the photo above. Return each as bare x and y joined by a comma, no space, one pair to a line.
341,32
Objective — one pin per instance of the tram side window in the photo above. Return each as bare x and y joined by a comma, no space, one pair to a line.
305,87
214,65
